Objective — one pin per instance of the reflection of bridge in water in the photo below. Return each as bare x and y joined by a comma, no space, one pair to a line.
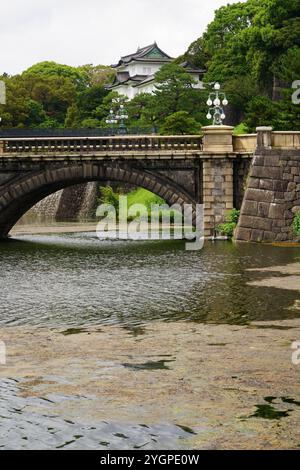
181,169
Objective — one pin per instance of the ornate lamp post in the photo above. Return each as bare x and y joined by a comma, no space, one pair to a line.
122,116
217,112
111,120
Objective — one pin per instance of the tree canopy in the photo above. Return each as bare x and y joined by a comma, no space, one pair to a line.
251,48
53,95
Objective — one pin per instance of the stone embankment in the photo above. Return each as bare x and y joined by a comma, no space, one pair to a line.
272,198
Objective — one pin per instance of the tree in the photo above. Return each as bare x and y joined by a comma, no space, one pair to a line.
97,74
35,113
78,76
56,95
172,86
72,117
89,100
91,123
141,111
180,123
197,54
252,48
53,95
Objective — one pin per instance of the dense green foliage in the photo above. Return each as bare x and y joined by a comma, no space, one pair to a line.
54,95
180,123
296,224
230,224
251,47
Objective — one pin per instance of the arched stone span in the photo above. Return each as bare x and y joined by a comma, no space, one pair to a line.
19,195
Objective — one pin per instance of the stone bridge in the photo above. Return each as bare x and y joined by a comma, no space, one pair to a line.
211,169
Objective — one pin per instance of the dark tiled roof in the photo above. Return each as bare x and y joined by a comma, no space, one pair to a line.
190,68
147,79
136,78
141,54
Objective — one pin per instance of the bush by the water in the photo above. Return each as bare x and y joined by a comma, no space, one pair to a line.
229,226
296,224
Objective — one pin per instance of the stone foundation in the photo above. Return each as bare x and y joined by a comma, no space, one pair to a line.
217,192
272,198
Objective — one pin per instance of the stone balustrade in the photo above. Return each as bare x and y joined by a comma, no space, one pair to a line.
286,140
245,143
100,144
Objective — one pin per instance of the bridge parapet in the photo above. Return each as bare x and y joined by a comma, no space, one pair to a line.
286,140
73,145
245,143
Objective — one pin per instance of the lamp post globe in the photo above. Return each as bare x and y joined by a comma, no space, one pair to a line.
216,101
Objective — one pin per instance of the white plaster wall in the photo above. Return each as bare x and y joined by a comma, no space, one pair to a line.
126,91
147,88
137,68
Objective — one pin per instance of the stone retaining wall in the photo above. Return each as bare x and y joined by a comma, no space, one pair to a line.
47,207
272,197
77,201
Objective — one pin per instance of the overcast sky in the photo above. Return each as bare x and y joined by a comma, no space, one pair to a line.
78,32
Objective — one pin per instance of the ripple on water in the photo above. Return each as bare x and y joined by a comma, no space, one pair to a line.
76,280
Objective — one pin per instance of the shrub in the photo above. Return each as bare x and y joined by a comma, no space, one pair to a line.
229,226
180,123
241,128
296,224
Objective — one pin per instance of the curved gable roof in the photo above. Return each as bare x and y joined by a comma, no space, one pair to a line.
152,52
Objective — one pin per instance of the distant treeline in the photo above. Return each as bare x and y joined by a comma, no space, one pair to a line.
252,48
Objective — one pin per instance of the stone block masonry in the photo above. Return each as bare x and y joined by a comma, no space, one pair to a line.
272,198
217,191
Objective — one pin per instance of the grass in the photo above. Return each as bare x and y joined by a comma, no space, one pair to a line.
143,196
137,196
147,198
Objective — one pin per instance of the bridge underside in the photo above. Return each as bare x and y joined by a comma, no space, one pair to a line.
22,185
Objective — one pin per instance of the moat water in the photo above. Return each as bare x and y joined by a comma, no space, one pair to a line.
76,281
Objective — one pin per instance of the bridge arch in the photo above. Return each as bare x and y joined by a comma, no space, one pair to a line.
22,193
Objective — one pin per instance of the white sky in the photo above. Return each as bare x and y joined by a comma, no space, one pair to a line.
78,32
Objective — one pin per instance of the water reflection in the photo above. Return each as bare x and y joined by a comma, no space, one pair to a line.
76,280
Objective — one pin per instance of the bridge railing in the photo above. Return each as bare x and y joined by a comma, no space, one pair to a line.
286,140
245,143
100,144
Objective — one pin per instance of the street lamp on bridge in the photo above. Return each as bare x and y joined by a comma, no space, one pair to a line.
216,111
111,120
120,116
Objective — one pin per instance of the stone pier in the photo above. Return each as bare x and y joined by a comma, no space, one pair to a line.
218,187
